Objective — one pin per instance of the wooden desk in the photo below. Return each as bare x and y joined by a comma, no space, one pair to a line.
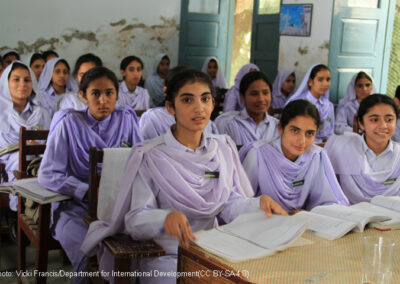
337,261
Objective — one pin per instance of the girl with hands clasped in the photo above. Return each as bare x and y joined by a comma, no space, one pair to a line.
180,182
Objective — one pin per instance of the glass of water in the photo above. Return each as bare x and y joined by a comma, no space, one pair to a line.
377,260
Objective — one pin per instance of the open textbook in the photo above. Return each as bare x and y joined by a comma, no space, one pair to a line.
253,235
31,189
389,205
334,221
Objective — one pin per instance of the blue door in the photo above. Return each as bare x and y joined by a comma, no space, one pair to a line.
360,40
265,36
206,30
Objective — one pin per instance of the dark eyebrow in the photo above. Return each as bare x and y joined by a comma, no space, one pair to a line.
191,95
293,126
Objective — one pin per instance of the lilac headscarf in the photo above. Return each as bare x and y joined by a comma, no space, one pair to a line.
172,170
232,96
48,101
219,81
155,84
7,115
279,99
276,174
358,180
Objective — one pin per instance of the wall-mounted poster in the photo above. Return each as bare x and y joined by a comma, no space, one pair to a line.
295,19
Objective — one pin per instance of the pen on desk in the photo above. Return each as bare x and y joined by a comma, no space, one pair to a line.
294,208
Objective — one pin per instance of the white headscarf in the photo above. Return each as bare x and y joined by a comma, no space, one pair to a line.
154,83
304,88
7,114
219,80
47,74
7,51
351,90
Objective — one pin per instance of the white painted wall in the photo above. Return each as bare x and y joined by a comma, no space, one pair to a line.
109,29
299,53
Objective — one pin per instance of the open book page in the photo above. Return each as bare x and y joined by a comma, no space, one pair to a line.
394,223
31,189
6,187
360,217
230,247
271,233
325,226
390,202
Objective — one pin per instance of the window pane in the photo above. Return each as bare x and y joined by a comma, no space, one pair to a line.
204,6
269,7
363,3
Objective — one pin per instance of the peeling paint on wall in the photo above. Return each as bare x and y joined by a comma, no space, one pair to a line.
324,45
112,42
119,23
303,50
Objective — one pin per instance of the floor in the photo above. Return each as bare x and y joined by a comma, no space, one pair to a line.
8,264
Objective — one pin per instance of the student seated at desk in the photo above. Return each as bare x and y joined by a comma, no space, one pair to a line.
232,97
55,81
315,89
283,88
156,121
213,70
369,164
65,165
130,93
180,182
253,122
83,64
20,106
154,83
360,87
292,169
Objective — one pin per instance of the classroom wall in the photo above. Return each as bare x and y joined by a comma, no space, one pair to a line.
299,53
110,29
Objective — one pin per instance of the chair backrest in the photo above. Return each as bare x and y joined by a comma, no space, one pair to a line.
104,187
219,103
139,112
95,158
29,145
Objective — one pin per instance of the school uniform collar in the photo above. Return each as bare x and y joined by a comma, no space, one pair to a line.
27,110
369,152
245,116
50,90
313,99
98,125
124,88
170,140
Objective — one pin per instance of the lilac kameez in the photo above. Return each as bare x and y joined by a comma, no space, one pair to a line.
163,175
65,168
303,184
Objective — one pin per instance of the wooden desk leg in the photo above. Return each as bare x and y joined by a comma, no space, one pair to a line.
123,265
22,239
42,251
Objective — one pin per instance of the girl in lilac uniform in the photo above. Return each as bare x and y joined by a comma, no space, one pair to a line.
360,87
55,81
292,169
369,164
180,182
130,93
315,89
232,97
65,165
73,100
253,122
20,105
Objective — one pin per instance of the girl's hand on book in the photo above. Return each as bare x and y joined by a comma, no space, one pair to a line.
176,224
270,206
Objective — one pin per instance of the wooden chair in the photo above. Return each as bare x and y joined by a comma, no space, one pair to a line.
37,233
122,247
139,112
